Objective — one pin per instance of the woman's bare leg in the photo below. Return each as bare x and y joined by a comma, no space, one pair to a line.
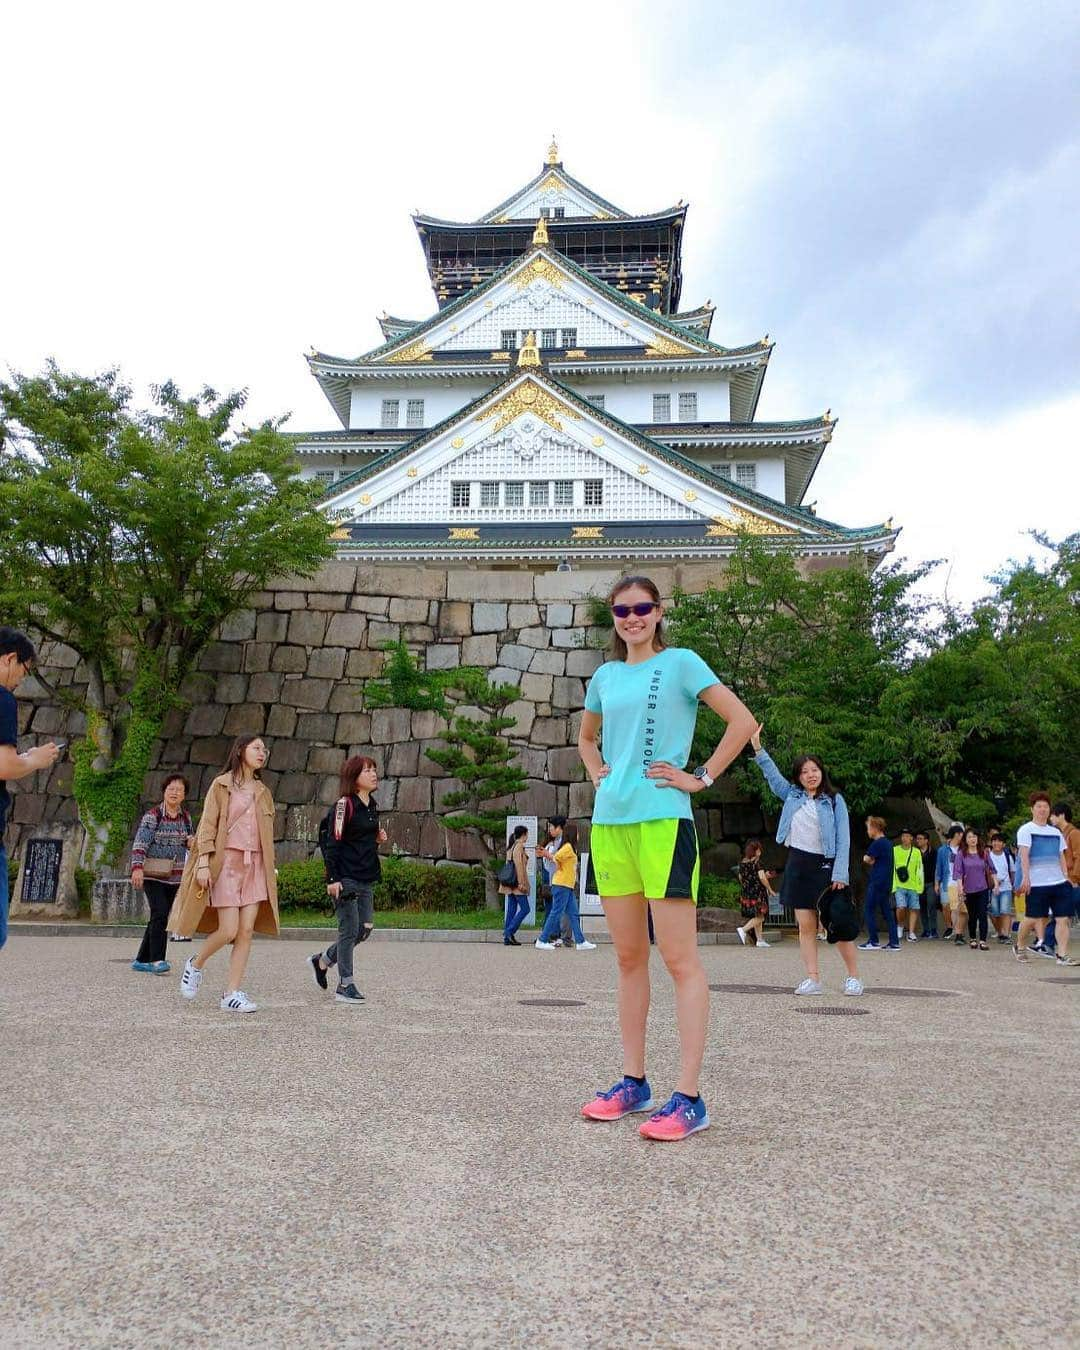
808,929
228,920
242,946
675,922
628,925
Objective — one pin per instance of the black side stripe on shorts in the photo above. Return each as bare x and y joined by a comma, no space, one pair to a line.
590,878
683,861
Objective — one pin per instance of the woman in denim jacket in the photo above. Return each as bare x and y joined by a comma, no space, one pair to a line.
814,825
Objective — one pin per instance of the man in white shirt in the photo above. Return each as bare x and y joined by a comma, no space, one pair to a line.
1043,857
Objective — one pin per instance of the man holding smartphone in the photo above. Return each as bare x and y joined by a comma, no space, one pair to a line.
17,658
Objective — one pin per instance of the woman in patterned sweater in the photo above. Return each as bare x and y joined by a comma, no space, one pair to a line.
164,836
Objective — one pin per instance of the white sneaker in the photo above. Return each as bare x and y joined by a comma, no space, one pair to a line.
823,937
237,1001
911,937
544,946
586,946
762,943
853,986
809,986
191,979
742,935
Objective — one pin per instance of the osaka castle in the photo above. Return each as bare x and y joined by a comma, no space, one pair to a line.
559,405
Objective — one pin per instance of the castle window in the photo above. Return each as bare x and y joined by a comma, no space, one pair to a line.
325,476
513,494
489,494
549,337
661,407
564,492
538,494
688,407
414,412
722,471
569,337
509,339
460,494
594,492
545,211
597,400
390,412
560,212
746,475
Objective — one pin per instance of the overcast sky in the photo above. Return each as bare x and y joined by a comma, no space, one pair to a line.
204,191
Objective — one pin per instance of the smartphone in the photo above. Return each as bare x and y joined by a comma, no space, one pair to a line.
60,745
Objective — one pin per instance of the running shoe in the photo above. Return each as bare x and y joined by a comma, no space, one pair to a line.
586,947
891,947
237,1001
762,943
545,946
349,994
144,967
1021,953
912,937
318,974
742,935
623,1099
809,986
823,937
178,937
948,934
1048,952
1066,961
869,946
678,1118
191,979
160,968
853,987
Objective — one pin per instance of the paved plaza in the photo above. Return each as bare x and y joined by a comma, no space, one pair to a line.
415,1173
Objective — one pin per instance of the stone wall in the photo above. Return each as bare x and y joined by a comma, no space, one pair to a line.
292,668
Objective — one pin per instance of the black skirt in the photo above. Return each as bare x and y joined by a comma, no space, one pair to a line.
805,877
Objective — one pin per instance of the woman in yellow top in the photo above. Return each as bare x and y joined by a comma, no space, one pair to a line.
564,893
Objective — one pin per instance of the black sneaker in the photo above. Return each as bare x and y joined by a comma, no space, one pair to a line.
317,970
948,934
959,939
349,994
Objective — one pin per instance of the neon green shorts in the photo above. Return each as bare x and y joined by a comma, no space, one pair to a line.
654,858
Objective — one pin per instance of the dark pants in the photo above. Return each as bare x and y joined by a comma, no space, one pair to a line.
877,902
928,907
517,910
355,908
976,902
159,896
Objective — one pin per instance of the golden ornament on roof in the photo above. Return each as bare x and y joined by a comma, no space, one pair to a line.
529,354
553,152
587,532
531,398
464,532
410,473
665,346
540,234
416,351
458,442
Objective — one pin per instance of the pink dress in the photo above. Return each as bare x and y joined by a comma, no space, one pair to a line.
242,880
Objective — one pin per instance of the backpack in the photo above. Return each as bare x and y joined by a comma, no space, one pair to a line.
837,915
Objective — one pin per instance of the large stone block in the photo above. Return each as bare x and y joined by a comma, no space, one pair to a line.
290,600
455,618
426,724
327,663
582,796
346,697
332,601
536,687
694,578
461,847
361,665
428,582
489,616
302,823
316,726
551,731
426,767
304,693
238,627
408,609
515,656
524,714
205,720
548,663
290,659
466,584
523,616
280,721
569,692
432,838
404,832
376,605
245,719
295,788
29,808
414,794
568,637
333,576
379,632
403,759
577,585
307,627
443,656
271,627
221,656
346,630
479,651
534,637
559,614
231,689
538,799
564,765
354,728
443,788
288,755
265,687
257,656
47,719
210,750
324,759
584,662
417,632
389,726
504,675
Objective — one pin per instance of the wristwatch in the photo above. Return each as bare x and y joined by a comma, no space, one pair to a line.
705,776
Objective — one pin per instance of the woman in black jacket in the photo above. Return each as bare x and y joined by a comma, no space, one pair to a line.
352,869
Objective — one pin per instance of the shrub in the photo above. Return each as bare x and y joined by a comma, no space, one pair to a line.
84,884
718,892
404,885
13,874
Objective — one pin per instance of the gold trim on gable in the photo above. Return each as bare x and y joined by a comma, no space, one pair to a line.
540,269
528,397
754,524
665,346
464,532
416,351
587,532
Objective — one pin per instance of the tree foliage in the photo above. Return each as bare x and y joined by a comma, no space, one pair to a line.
130,535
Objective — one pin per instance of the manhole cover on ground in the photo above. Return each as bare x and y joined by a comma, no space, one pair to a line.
1059,979
751,988
835,1012
896,992
552,1002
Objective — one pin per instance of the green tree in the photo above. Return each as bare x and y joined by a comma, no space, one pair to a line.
477,752
130,535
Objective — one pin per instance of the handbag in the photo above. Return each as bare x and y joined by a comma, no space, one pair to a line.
837,915
157,868
902,873
507,873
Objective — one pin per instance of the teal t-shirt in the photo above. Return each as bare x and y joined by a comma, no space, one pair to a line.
649,711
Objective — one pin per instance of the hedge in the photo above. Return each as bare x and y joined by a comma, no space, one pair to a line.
718,892
404,885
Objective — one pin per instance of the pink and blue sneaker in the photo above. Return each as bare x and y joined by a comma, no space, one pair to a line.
626,1097
679,1118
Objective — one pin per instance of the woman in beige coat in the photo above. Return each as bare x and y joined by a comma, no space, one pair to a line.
229,888
517,895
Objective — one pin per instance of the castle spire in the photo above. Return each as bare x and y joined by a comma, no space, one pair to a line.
553,151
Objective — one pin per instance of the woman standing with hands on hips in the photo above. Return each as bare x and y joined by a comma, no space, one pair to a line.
230,873
814,825
644,846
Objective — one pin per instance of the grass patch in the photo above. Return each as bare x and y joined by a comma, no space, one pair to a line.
399,918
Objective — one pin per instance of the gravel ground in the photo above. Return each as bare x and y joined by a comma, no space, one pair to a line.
414,1172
